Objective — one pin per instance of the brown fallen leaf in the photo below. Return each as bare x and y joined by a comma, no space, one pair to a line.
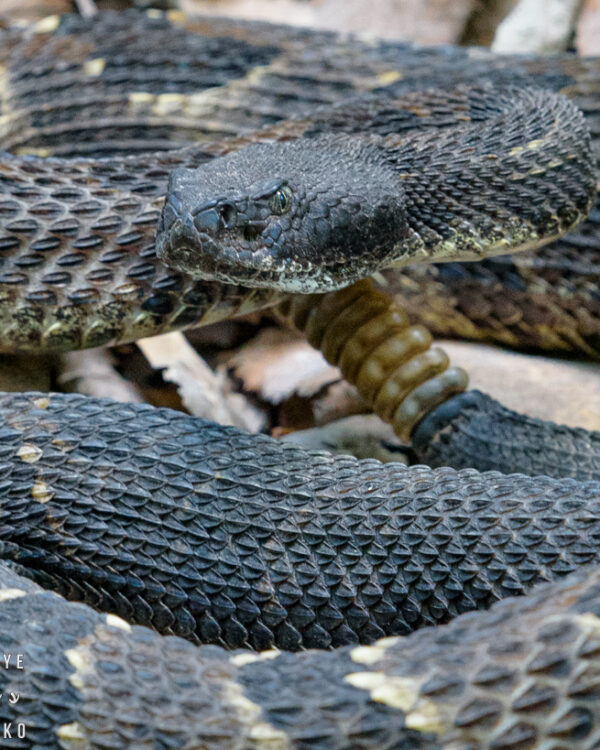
278,363
203,392
91,371
484,20
363,436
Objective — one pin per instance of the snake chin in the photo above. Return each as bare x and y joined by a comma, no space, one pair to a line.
295,216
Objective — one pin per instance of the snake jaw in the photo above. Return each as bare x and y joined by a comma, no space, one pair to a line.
209,233
219,238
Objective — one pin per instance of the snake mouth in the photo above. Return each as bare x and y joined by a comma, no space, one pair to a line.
208,244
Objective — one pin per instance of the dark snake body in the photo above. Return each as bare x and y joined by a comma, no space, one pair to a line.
143,512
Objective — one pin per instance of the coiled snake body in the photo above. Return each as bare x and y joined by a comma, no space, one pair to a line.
220,537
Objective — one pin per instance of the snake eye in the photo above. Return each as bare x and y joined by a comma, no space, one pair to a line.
281,202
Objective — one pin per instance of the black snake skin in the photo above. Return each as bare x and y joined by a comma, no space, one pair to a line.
142,511
524,674
488,169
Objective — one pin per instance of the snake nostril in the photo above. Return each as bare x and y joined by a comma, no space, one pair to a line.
228,214
251,233
171,211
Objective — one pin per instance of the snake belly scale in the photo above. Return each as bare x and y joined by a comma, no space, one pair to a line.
142,513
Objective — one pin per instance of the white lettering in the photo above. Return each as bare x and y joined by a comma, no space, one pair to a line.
15,659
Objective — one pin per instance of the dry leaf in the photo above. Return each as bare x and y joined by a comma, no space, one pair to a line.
203,392
91,372
363,436
537,26
279,363
588,29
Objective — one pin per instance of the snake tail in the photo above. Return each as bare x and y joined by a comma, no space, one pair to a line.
411,385
474,430
368,336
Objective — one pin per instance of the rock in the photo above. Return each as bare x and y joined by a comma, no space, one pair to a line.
538,26
556,390
588,29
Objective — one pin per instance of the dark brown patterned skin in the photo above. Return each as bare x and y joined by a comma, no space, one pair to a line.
322,211
545,300
144,513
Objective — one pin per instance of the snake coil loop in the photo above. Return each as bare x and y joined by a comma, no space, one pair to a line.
368,336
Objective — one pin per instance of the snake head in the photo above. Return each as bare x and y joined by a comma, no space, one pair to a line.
300,216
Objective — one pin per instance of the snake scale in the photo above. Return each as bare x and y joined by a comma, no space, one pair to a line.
213,536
